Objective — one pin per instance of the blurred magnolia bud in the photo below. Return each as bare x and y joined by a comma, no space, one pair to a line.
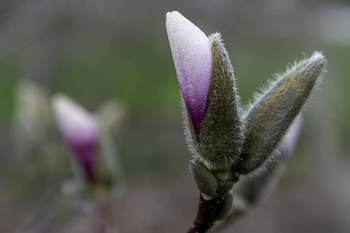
252,190
89,137
113,114
256,188
32,119
80,131
206,80
108,166
35,146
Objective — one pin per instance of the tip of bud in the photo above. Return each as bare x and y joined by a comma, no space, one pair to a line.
311,68
75,123
183,29
170,14
173,18
317,56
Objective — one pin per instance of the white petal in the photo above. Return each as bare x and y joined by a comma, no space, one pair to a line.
75,123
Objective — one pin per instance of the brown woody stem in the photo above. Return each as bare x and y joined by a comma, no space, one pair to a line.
208,210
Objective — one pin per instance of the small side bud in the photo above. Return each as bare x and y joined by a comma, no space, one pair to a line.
205,180
221,137
225,208
274,111
240,206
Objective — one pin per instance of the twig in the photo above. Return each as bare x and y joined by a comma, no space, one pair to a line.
104,218
208,209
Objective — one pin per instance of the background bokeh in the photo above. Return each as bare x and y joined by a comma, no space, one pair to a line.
98,50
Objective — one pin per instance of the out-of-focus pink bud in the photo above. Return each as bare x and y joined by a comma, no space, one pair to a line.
79,129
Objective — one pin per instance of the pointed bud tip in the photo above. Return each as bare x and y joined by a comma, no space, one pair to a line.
75,123
317,55
180,28
215,37
312,67
317,58
171,14
176,19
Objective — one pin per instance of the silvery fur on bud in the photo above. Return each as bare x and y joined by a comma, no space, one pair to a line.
274,110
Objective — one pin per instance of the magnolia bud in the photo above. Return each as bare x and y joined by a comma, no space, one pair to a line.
207,84
205,180
79,129
273,111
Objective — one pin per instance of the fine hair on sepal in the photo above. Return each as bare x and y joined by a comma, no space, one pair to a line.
273,111
221,131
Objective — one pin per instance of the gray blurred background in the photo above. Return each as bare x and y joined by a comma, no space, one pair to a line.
97,50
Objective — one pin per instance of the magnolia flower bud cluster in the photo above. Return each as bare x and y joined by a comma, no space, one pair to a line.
225,140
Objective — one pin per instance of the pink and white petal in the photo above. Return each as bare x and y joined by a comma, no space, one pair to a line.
192,57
